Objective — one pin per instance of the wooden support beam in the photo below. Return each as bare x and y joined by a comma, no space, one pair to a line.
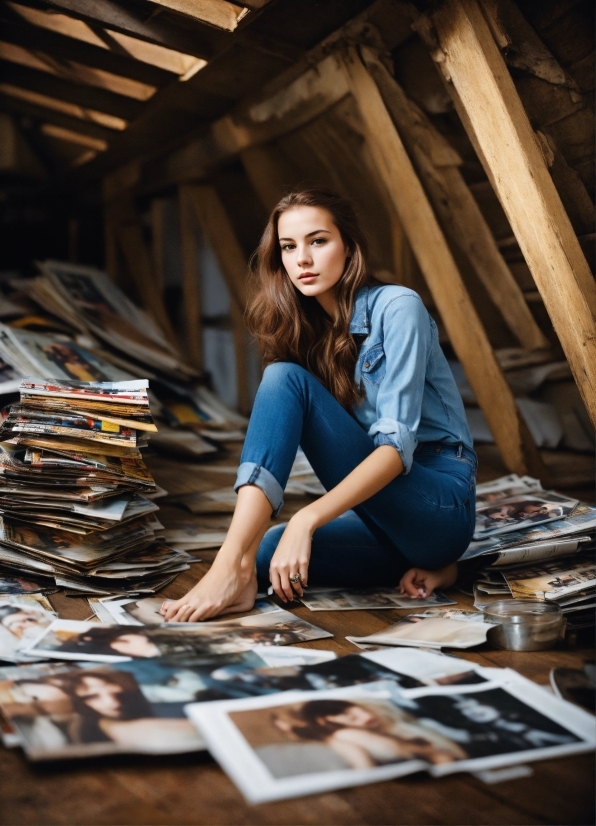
45,115
200,41
308,96
451,298
454,204
130,240
63,48
91,97
216,13
158,242
112,258
191,288
220,234
269,173
496,117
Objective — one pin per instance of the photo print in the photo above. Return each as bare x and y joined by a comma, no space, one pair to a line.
521,511
432,629
73,640
299,743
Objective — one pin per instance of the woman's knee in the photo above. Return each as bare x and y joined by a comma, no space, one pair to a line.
266,550
280,371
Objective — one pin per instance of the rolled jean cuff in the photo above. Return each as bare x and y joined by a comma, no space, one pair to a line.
251,474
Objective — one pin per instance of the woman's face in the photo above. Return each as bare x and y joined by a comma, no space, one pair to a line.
135,645
312,250
22,623
477,712
355,717
101,696
504,512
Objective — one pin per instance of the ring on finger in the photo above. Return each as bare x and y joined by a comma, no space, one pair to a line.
296,578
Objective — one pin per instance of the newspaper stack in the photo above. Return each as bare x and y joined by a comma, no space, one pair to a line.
73,488
534,544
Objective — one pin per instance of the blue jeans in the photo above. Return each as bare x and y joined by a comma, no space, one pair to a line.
421,519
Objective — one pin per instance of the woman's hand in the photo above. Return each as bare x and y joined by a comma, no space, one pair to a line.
292,557
419,583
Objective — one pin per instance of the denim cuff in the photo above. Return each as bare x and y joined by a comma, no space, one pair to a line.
251,474
396,434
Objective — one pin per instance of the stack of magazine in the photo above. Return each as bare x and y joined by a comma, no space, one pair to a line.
534,544
73,488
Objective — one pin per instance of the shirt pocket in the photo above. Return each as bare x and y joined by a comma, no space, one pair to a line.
373,365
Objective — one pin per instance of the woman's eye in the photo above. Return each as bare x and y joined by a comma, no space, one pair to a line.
319,241
287,247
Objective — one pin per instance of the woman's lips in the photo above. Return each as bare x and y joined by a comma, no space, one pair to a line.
307,277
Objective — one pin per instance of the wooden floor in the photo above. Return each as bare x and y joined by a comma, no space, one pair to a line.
191,789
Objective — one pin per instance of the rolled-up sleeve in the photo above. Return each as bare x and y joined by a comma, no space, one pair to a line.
406,343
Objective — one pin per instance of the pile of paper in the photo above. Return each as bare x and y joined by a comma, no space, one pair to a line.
73,488
534,544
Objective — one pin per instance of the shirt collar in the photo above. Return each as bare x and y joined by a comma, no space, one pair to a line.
360,323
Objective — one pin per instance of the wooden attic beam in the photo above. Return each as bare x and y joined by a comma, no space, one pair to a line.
221,236
47,115
91,97
216,13
60,47
471,60
309,95
455,205
199,41
451,298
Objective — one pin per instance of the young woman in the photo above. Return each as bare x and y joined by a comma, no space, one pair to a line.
356,377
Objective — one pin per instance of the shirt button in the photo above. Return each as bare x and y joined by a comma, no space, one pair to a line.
367,364
437,450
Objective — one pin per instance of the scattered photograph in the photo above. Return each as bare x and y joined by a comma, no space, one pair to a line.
449,629
22,619
341,599
20,585
74,640
137,706
300,743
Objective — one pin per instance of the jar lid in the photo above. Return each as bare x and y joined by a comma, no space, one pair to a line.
522,610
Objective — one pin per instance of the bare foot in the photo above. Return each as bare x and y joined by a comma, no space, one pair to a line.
419,583
221,591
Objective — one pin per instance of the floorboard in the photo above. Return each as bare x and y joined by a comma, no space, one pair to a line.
191,789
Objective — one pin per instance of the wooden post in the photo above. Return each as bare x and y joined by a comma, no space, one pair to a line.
111,244
451,298
455,205
220,234
269,173
495,117
191,288
138,260
158,241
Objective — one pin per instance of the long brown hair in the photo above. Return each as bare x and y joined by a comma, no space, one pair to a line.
293,327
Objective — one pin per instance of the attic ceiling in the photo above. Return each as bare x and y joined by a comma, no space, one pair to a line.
88,85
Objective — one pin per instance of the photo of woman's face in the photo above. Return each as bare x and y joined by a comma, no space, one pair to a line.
100,695
312,249
24,621
355,717
135,645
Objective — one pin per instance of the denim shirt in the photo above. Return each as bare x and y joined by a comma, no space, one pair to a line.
410,393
